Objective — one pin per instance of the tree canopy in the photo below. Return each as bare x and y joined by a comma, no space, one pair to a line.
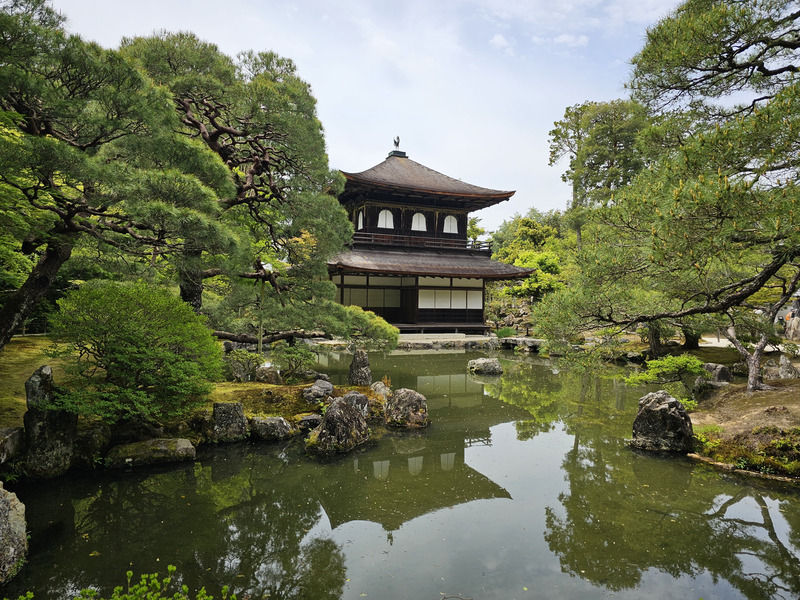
88,149
711,220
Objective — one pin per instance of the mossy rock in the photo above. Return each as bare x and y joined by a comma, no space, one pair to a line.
150,452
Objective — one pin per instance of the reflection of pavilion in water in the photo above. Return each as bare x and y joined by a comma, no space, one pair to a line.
412,474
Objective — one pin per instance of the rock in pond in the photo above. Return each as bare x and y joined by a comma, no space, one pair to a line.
270,429
358,401
360,372
49,434
91,444
382,391
13,534
230,424
318,390
343,428
309,422
662,424
407,408
485,366
150,452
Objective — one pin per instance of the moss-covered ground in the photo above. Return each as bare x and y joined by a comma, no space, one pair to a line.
18,360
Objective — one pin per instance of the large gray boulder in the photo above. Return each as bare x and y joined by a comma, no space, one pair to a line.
49,433
381,390
268,375
13,534
230,424
662,424
150,452
407,408
360,372
718,372
342,429
358,401
318,390
270,429
485,366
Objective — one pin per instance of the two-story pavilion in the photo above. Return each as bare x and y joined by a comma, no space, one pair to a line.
410,260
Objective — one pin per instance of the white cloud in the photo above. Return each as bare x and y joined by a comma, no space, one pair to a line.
500,42
571,40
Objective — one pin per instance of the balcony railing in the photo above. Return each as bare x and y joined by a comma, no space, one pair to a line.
413,241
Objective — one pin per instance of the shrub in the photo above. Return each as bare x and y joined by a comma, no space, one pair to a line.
368,330
683,369
505,332
242,364
292,359
134,350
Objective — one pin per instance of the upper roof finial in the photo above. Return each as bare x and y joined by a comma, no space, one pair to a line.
397,152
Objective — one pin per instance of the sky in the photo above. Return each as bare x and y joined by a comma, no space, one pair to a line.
471,87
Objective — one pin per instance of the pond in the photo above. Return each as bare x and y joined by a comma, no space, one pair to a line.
521,488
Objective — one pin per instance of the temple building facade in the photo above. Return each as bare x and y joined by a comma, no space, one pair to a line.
410,260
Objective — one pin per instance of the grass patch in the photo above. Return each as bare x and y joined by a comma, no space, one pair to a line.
18,361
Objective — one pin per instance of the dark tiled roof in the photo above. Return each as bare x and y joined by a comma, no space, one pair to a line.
429,264
399,172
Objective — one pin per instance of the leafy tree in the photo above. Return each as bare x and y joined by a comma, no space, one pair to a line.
711,50
88,149
292,359
683,369
135,351
599,140
259,117
711,222
474,230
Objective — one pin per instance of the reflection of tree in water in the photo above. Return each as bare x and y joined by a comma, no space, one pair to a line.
618,521
263,537
558,391
239,523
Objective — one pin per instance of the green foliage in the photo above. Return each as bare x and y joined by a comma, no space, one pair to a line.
149,587
683,368
259,116
292,359
505,332
133,350
89,147
474,230
717,50
242,364
368,330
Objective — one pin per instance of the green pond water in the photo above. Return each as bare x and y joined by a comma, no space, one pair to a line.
521,488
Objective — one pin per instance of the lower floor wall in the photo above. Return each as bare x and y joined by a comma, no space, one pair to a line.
413,300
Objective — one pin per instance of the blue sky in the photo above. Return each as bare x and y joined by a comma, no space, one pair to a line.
471,87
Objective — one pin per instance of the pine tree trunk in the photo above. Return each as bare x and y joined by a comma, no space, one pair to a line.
21,303
691,340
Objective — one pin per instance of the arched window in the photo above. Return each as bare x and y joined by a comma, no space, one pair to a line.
418,223
360,220
450,224
385,219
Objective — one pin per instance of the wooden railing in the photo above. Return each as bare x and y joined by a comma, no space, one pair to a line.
384,239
